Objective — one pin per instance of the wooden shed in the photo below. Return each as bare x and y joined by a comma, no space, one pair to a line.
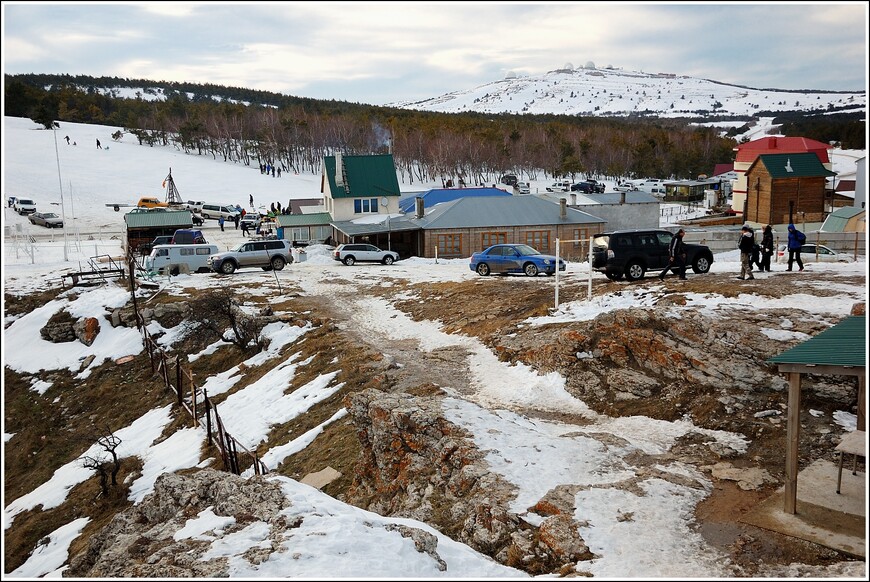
143,227
781,183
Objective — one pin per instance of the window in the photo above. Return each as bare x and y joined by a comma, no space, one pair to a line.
365,205
186,252
540,239
449,245
581,237
203,251
487,239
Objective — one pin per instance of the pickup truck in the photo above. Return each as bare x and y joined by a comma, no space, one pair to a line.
589,187
193,206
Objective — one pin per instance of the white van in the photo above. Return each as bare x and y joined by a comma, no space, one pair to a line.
177,259
215,211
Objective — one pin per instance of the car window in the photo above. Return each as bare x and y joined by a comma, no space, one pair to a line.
623,241
276,244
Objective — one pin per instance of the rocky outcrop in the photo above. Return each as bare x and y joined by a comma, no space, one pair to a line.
86,330
416,464
140,542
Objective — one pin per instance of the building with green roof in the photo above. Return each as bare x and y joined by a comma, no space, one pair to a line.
358,186
783,188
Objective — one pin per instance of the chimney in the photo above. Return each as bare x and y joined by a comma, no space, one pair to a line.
418,207
563,208
622,197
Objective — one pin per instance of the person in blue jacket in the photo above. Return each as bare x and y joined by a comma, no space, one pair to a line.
796,240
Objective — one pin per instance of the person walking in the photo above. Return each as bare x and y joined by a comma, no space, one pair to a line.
746,244
676,257
251,197
236,220
766,248
221,222
245,228
67,139
796,240
99,147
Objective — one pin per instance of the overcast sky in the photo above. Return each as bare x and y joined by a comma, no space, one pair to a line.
379,53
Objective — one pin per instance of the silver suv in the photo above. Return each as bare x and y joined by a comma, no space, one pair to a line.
357,252
267,254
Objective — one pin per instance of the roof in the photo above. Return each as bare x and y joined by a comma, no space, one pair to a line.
708,182
438,195
747,152
471,212
502,211
720,169
365,176
633,197
841,345
804,165
838,220
159,219
313,219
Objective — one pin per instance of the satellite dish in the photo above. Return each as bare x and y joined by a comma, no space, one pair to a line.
384,201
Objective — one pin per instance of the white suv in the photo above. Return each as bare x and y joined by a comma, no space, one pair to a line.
357,252
267,254
24,206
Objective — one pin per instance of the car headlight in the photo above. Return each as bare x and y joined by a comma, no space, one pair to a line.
546,261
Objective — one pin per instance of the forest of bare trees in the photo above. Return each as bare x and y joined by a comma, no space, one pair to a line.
295,134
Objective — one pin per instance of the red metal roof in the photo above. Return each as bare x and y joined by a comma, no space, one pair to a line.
720,169
747,152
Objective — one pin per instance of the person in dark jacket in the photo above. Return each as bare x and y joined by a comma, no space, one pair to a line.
676,257
746,244
766,248
796,240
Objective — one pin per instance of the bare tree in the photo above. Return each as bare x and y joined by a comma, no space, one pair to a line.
219,311
105,464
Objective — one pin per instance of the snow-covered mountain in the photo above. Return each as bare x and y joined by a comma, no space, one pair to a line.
592,91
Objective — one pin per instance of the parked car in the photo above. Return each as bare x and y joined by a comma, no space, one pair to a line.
196,219
589,187
193,205
46,219
215,211
625,187
808,253
146,248
631,253
252,220
188,236
180,258
360,252
24,206
559,186
514,258
523,188
509,179
151,202
267,254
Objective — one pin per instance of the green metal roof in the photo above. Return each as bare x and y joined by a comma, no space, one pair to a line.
839,219
366,176
158,219
314,219
805,165
845,344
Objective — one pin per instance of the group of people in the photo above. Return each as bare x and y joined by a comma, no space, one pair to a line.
751,252
270,168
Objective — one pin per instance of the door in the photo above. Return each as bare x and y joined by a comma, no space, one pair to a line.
663,253
511,261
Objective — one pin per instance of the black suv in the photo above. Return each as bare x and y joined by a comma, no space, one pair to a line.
509,179
631,253
589,187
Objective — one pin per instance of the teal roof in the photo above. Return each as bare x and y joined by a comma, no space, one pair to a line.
839,219
806,165
159,219
845,344
365,176
314,219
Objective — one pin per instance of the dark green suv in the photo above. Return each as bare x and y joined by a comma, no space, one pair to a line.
631,253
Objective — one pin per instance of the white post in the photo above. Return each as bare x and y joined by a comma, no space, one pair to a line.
589,298
557,272
60,185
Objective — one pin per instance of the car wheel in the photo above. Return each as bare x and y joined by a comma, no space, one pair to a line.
483,269
278,263
531,270
634,271
228,267
701,265
349,260
388,260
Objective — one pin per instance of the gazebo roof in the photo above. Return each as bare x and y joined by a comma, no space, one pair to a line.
843,345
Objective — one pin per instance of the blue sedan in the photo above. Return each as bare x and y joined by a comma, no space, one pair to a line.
505,259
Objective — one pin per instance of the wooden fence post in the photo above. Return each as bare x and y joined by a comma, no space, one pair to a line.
179,377
207,415
193,402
